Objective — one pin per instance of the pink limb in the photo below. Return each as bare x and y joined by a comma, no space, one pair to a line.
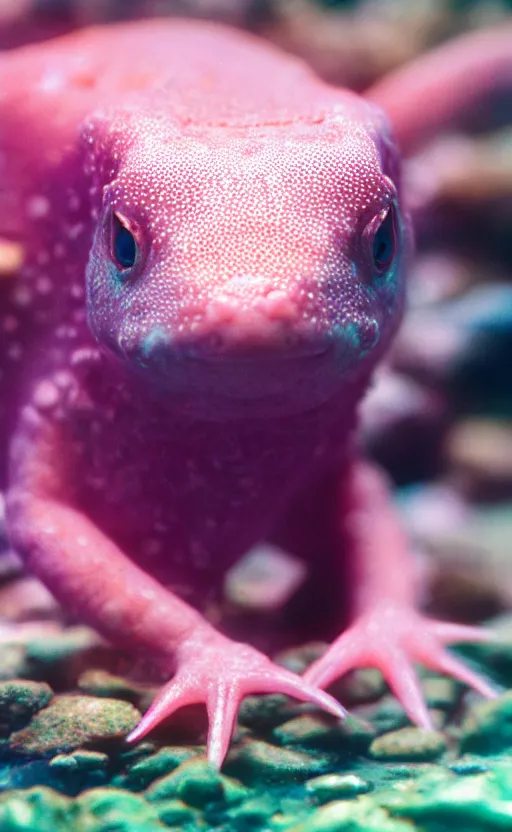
439,88
387,631
87,572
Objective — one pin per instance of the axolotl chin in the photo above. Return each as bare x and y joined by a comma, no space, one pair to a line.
215,244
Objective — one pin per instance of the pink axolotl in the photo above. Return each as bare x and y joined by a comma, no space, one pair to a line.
215,246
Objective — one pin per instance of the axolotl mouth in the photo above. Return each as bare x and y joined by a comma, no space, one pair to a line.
281,370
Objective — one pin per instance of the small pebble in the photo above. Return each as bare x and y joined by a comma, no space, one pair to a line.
476,803
254,812
441,692
19,700
143,772
80,761
263,712
256,760
197,784
329,787
175,813
27,599
111,809
359,687
313,730
62,646
487,728
408,744
265,578
349,816
70,722
481,451
13,662
39,809
97,682
385,715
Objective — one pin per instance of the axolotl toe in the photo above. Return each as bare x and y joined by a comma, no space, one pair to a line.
214,247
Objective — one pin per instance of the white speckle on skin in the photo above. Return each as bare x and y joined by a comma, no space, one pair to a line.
76,291
65,331
63,379
44,285
74,231
83,355
37,206
46,395
52,81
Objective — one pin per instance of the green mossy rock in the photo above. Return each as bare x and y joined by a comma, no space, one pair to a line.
478,803
70,722
97,682
175,814
311,730
143,772
197,784
346,816
385,715
254,812
80,761
35,810
20,699
263,712
61,646
113,810
256,761
359,687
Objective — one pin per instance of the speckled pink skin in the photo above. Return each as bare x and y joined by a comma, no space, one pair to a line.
165,417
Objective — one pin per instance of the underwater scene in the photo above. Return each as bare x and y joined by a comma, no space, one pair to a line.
256,401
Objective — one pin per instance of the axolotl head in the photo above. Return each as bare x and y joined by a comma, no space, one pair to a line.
255,268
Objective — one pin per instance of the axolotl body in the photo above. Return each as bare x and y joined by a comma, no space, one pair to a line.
215,245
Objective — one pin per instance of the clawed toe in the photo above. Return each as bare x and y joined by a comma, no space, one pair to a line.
392,639
222,686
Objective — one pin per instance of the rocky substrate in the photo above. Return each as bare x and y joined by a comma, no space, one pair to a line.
65,765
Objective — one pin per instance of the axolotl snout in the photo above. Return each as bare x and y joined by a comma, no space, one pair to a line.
215,246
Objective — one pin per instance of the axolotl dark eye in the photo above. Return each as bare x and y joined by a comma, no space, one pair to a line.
123,247
384,240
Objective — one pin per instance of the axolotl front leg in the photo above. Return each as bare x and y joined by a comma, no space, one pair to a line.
387,631
88,572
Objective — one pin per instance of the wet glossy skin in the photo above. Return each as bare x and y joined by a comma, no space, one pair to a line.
215,247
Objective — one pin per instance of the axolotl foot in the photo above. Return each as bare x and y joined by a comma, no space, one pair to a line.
219,672
391,637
